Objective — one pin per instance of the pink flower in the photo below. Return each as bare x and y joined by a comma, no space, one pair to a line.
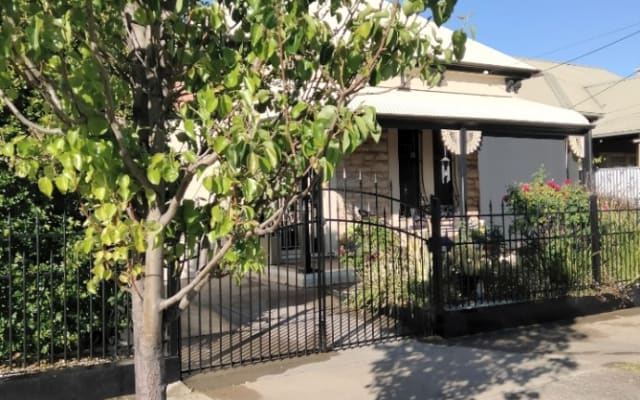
567,181
605,208
526,188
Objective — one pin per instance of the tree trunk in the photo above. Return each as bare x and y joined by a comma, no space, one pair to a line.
147,326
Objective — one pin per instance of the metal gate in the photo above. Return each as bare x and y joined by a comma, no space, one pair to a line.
346,268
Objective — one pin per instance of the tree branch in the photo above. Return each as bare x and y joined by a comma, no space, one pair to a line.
32,74
359,82
204,161
110,113
26,121
190,289
184,295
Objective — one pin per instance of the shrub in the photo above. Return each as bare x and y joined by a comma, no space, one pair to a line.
45,309
620,242
392,266
551,222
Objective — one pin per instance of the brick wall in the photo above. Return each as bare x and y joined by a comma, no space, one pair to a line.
473,183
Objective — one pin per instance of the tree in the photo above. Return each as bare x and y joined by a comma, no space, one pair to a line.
145,99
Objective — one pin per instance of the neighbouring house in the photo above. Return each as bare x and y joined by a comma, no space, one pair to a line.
609,100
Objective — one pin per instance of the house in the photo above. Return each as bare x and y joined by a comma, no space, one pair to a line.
463,141
508,137
607,99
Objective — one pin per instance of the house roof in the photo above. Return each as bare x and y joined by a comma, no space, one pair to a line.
477,55
471,109
595,92
621,102
481,56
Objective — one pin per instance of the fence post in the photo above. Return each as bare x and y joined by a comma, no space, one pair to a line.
322,306
306,237
173,285
596,261
435,245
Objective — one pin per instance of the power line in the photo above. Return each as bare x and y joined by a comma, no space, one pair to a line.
617,110
612,85
582,41
625,37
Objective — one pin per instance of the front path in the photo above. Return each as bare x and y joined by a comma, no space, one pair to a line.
591,358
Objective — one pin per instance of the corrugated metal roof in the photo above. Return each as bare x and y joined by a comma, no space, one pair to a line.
621,102
591,91
418,104
476,54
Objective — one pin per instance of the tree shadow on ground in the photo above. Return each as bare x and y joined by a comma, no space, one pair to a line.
497,365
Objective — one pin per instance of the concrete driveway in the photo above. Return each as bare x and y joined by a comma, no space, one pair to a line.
591,358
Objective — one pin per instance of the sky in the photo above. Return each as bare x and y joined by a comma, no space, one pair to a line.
558,30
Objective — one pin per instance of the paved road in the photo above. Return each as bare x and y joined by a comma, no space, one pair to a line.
592,358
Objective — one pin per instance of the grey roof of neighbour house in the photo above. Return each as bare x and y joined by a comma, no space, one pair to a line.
621,101
595,92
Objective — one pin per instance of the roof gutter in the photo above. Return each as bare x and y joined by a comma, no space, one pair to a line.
499,127
514,72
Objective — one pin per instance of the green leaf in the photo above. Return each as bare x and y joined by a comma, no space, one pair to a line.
45,186
328,116
220,143
62,183
225,106
154,174
105,212
249,189
364,30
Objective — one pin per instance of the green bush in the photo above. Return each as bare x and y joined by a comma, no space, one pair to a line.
392,266
620,242
45,309
551,221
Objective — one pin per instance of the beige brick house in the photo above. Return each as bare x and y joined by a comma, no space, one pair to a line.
418,155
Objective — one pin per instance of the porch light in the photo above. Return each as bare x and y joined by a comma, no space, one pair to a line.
445,169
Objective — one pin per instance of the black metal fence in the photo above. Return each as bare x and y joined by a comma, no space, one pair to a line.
502,257
46,313
344,269
350,265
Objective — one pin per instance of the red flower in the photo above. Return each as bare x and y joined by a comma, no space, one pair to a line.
553,185
567,181
526,188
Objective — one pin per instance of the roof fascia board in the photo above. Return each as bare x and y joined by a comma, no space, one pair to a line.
506,128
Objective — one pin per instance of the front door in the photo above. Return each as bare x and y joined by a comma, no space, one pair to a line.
409,164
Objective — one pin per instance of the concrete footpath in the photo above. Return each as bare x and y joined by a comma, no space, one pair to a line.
594,357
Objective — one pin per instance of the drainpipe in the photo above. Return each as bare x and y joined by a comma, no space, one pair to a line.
462,171
637,142
587,162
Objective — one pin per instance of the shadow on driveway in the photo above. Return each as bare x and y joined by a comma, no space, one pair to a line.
463,368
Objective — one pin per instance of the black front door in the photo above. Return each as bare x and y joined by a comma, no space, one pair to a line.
409,169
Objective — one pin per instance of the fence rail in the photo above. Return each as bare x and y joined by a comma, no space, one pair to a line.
46,313
502,257
350,265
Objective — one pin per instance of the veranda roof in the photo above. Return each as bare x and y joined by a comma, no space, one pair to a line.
457,109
